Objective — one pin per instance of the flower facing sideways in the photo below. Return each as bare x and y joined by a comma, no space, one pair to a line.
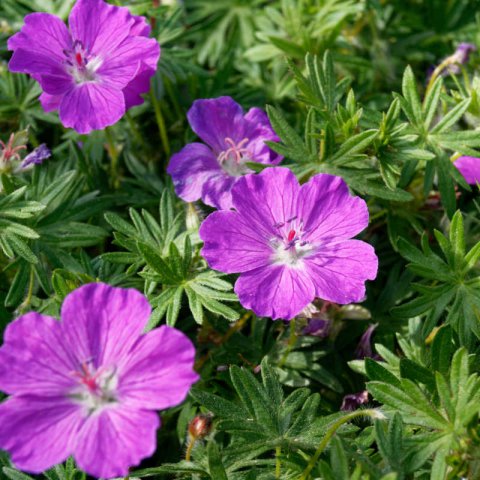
92,72
291,243
232,138
88,385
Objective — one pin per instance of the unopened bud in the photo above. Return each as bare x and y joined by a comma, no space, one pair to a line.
192,219
200,426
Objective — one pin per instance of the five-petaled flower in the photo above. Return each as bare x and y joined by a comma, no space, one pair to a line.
92,72
232,138
88,385
469,167
291,243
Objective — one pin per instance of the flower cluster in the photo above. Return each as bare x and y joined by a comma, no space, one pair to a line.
89,385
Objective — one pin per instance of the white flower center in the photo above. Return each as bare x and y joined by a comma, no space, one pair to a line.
96,388
233,159
290,246
80,64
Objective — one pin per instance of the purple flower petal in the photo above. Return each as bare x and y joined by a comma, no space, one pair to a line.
328,210
123,66
469,167
39,432
39,45
364,347
232,244
24,61
215,119
116,439
56,84
139,85
191,168
341,269
91,106
217,190
101,323
267,199
50,102
258,130
158,372
317,327
33,359
100,27
140,27
353,401
275,291
41,153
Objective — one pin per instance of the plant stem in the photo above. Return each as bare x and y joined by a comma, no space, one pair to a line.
292,340
160,122
331,432
133,128
188,453
278,452
238,325
113,152
437,72
28,298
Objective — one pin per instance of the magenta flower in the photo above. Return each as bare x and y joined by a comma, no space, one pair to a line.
92,72
41,153
88,385
364,348
353,401
210,171
291,243
469,167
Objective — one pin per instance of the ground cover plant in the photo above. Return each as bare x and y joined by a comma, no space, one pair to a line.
239,239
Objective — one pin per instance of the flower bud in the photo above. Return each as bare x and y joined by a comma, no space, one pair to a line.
200,426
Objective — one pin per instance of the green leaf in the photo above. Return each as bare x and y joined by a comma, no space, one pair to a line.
375,371
413,108
442,350
215,465
13,474
452,117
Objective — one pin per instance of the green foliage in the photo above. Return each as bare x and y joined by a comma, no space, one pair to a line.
171,267
446,406
347,93
449,285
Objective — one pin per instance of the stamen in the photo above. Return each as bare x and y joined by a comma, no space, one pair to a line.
291,235
235,152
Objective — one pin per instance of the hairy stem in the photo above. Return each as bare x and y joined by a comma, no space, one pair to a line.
331,432
278,452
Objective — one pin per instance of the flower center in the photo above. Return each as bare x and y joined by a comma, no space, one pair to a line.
81,64
233,159
95,388
290,245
